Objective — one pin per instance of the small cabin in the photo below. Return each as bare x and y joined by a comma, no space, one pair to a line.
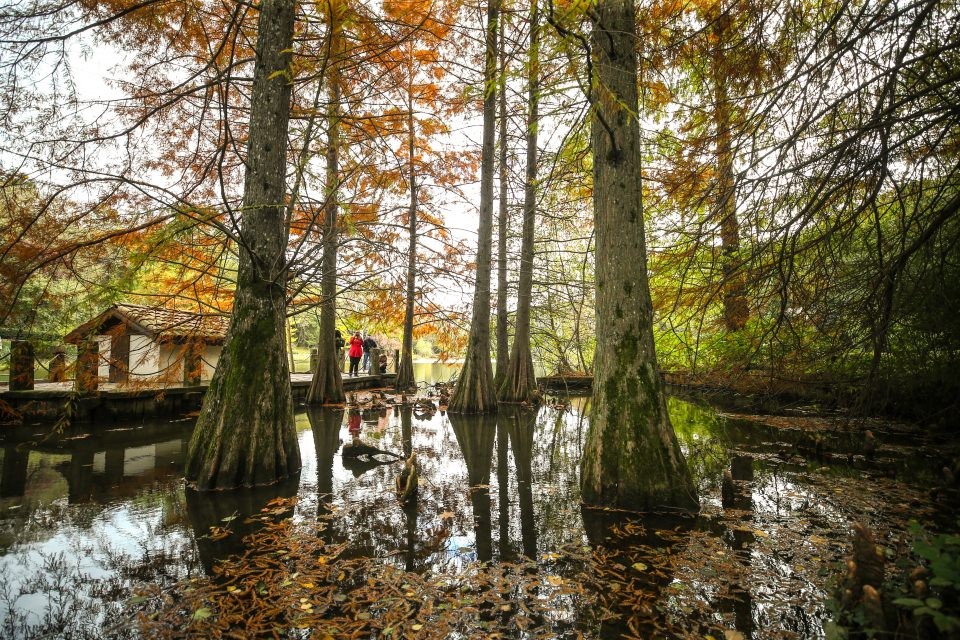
139,343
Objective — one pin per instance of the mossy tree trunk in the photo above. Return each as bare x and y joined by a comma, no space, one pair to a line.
245,434
631,457
405,379
326,387
520,382
475,391
503,344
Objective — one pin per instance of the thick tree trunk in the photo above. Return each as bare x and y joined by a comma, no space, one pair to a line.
631,458
735,309
475,391
503,345
520,383
245,434
405,379
326,387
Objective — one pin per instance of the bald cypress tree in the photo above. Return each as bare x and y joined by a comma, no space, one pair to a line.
631,458
475,391
245,434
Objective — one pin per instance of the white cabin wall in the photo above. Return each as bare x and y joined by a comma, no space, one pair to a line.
144,357
103,352
211,355
171,362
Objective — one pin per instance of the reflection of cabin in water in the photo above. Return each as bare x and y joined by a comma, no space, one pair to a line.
153,344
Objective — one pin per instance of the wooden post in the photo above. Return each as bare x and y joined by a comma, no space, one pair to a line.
58,366
193,362
13,478
741,467
21,366
88,363
375,361
314,359
119,358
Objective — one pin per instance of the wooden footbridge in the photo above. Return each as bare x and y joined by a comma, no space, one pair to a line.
111,402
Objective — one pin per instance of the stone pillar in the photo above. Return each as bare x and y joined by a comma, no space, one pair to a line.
314,359
88,364
58,366
375,361
21,366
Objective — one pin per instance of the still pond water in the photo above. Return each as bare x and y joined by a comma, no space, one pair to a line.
85,518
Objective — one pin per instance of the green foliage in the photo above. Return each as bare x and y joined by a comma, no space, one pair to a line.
942,604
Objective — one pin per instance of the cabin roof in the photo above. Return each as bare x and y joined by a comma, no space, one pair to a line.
157,322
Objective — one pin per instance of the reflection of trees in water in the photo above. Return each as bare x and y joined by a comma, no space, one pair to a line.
232,510
410,508
475,434
363,509
521,424
503,492
703,436
636,547
325,424
80,591
555,471
13,475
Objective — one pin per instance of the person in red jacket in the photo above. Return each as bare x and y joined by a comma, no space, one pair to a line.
355,353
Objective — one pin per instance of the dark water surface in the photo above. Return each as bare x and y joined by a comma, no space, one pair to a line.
83,519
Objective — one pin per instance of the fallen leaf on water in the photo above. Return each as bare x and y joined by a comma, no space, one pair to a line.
218,533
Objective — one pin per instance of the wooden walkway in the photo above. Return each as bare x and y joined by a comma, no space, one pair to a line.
112,401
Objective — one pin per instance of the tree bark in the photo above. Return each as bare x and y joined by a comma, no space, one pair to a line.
503,345
245,434
405,379
326,387
520,382
735,309
631,457
475,391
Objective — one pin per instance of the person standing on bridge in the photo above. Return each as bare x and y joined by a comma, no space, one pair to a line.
369,344
355,353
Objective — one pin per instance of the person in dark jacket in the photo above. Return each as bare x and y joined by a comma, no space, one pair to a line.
339,344
368,345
